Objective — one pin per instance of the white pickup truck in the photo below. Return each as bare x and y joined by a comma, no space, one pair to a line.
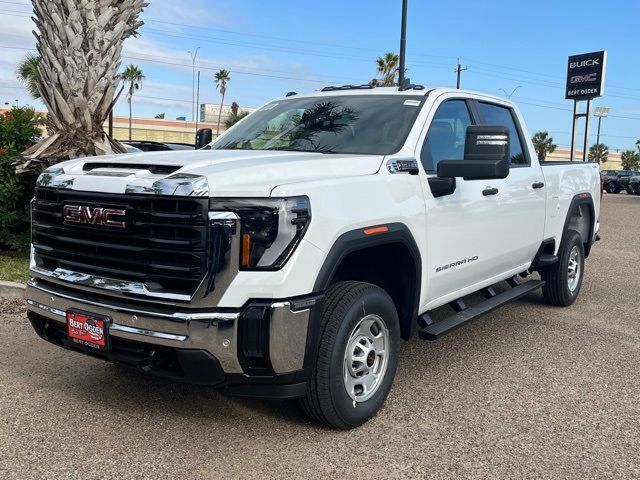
289,257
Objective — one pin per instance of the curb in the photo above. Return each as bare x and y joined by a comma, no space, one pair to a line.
12,289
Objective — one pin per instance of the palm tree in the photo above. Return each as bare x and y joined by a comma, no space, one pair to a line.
630,160
28,74
134,77
77,68
235,118
221,78
638,145
599,153
543,144
387,66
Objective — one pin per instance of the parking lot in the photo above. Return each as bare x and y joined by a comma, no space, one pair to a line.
529,391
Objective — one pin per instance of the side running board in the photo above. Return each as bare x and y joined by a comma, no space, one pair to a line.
433,331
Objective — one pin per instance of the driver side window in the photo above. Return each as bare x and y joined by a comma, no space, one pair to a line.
446,135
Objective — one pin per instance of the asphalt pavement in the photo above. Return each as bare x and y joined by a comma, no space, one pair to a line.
529,391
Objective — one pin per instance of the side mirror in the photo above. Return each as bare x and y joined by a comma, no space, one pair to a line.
204,136
486,155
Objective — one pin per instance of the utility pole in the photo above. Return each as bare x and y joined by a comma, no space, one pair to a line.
403,44
459,69
193,79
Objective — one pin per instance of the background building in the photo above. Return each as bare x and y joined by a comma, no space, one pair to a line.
209,112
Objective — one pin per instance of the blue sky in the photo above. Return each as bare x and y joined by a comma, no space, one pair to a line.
282,45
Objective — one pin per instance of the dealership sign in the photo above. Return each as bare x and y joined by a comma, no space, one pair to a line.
585,75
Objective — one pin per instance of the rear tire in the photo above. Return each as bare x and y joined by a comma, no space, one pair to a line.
564,278
638,189
357,356
610,188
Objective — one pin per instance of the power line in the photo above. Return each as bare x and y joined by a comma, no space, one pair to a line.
487,72
205,67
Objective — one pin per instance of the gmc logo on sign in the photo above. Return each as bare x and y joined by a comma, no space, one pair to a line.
104,217
591,77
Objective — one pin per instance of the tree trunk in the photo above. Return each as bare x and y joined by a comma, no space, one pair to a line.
80,45
130,112
220,116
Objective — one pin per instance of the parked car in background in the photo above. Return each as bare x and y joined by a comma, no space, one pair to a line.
131,148
634,184
150,146
617,181
623,181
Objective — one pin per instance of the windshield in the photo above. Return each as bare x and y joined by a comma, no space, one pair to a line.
355,124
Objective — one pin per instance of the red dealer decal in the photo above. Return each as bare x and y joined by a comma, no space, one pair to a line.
87,330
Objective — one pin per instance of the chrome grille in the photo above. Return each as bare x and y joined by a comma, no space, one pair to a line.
163,246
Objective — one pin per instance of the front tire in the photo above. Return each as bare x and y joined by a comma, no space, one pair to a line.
357,356
610,188
564,278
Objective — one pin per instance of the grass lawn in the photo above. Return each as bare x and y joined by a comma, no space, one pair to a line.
14,266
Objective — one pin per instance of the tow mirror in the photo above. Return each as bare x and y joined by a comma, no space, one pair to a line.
486,155
203,137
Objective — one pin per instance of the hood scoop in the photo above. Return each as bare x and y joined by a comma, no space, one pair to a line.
131,167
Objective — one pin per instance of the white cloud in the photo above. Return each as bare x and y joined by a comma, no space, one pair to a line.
193,12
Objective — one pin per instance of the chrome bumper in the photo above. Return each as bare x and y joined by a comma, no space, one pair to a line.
213,331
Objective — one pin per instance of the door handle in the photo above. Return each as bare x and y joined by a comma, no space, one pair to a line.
538,185
489,191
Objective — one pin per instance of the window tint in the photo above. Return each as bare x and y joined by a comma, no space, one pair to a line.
496,115
446,136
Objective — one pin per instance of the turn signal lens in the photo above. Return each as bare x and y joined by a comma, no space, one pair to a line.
246,250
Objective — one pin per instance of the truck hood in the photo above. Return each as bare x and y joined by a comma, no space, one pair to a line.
227,172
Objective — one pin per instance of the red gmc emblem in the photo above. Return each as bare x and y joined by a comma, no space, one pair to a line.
106,217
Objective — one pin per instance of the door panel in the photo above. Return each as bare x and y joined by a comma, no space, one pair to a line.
477,233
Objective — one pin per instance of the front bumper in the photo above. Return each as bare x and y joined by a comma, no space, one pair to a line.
262,344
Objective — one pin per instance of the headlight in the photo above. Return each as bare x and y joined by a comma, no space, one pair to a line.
271,228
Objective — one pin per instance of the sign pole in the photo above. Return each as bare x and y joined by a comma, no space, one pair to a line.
573,131
585,154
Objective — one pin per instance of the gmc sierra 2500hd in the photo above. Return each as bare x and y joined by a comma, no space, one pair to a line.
289,257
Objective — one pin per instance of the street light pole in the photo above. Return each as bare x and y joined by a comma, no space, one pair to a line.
198,103
600,112
193,81
509,95
403,43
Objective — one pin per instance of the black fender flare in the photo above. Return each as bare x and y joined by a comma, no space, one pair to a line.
582,199
355,240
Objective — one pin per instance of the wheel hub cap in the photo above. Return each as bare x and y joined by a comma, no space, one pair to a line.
365,359
573,269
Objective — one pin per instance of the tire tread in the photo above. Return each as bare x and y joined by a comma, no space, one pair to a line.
317,402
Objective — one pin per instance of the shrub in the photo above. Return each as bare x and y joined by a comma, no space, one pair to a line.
19,129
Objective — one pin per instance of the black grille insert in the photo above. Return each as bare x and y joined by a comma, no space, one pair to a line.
163,244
